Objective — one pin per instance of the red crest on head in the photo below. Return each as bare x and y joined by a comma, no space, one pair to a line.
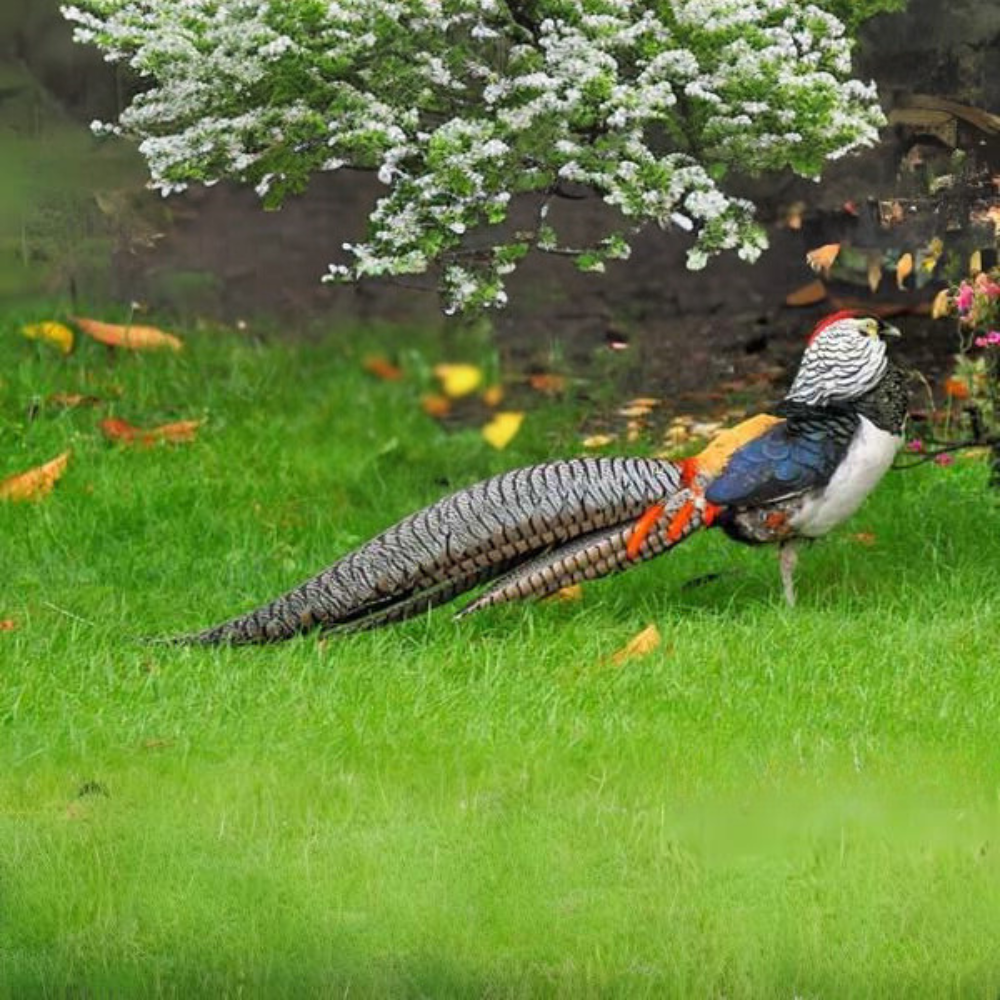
831,319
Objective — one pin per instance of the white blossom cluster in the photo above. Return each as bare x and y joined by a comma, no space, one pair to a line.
459,105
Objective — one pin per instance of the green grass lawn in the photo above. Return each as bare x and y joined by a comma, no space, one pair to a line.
786,803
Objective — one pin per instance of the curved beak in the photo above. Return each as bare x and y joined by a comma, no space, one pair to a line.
888,330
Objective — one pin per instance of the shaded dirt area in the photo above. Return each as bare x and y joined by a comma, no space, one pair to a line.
701,340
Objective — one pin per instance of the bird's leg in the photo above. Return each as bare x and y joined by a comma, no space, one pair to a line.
788,556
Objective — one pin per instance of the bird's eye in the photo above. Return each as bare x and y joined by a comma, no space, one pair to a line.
870,327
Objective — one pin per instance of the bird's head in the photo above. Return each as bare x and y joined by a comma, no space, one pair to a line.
845,358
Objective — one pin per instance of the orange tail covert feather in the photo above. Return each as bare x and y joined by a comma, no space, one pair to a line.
675,531
642,528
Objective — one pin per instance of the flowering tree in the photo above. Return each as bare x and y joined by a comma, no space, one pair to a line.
459,105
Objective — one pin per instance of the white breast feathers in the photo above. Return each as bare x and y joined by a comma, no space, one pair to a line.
868,458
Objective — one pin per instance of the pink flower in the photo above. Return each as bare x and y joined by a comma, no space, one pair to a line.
916,446
992,339
963,301
987,286
944,459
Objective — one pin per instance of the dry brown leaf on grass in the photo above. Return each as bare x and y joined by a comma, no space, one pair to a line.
642,644
179,432
874,272
53,333
381,367
500,431
35,483
7,625
865,538
132,338
71,400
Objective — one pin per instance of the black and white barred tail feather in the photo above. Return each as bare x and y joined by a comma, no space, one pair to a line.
588,557
457,543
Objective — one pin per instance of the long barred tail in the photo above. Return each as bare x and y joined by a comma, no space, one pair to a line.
599,553
463,540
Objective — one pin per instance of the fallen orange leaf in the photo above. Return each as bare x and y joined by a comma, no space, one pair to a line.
500,431
178,432
35,483
133,338
807,295
436,406
548,383
7,625
903,270
821,259
866,538
381,367
956,388
493,395
639,645
55,333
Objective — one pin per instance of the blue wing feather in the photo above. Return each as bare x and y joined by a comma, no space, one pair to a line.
788,459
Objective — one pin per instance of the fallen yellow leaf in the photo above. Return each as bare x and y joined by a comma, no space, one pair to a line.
458,380
941,305
500,431
633,410
133,338
55,333
598,440
932,254
35,483
639,645
574,592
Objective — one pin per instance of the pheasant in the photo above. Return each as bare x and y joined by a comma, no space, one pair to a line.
775,478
